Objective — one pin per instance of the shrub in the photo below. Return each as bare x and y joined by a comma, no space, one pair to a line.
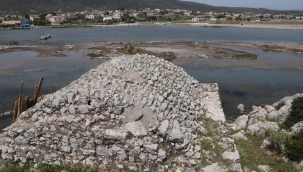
294,147
277,141
296,113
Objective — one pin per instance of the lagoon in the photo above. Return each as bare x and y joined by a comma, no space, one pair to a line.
251,82
63,36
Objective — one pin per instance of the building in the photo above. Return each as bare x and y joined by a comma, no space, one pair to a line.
198,19
34,18
11,24
54,19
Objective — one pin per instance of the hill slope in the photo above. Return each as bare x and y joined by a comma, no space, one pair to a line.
24,6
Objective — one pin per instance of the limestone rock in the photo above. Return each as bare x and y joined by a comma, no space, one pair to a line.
136,128
114,134
163,128
241,108
241,121
176,135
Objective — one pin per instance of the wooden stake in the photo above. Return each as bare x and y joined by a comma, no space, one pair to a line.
39,88
19,102
35,92
23,103
15,111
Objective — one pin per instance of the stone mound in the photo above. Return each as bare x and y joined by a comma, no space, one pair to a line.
136,112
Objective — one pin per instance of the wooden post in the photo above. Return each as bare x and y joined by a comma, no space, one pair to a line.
19,102
39,88
15,111
23,103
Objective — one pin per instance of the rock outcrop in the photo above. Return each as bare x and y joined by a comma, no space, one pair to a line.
267,119
135,112
261,119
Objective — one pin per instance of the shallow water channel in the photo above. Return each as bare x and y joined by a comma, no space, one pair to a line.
265,80
26,66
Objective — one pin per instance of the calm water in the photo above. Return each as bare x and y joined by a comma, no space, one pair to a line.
57,72
150,33
251,82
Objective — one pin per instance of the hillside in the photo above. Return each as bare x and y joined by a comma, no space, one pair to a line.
25,6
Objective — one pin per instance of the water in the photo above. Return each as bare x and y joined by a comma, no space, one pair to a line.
64,36
251,82
57,72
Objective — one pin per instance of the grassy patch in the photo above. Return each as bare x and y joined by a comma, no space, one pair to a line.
93,55
132,51
44,167
244,55
279,48
267,47
102,48
251,155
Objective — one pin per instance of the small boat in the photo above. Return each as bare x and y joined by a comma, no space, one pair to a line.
45,37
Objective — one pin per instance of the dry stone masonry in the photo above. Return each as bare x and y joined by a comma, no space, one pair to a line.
133,112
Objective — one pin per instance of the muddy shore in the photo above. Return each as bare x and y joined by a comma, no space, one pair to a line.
184,49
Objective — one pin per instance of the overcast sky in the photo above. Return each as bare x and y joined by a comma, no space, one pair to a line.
269,4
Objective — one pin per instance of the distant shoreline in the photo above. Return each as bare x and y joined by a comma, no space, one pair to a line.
282,26
251,25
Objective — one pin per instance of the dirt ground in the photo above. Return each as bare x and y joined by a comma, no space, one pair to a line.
44,51
184,49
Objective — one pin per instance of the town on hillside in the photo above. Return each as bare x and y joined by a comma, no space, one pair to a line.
109,17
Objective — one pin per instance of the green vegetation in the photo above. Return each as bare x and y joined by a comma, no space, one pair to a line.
294,147
271,47
128,19
211,143
244,55
41,22
291,146
277,141
251,156
93,55
132,50
80,20
102,48
243,157
296,113
43,167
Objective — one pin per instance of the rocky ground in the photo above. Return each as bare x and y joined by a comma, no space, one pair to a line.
264,119
133,112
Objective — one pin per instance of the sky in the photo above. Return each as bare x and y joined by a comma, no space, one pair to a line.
269,4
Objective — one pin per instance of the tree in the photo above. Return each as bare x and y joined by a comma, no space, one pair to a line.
239,18
26,16
163,12
229,18
127,19
141,16
220,16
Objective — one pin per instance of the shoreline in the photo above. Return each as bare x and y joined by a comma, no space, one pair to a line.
250,25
